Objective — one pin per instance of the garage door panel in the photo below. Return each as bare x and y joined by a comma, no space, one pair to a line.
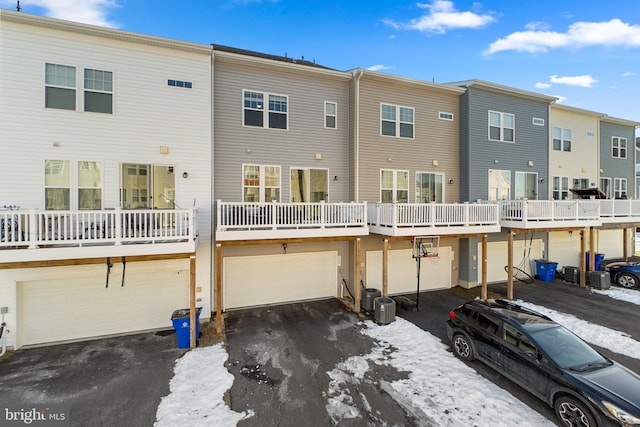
435,273
77,308
271,279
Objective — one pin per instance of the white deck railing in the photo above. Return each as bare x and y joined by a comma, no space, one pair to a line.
549,210
619,208
432,214
234,216
35,228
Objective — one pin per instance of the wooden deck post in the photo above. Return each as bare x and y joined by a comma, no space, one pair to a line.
358,277
485,292
625,244
218,288
192,301
592,248
510,266
583,252
385,267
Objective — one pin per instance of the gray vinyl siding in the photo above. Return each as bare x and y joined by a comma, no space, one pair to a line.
614,167
434,139
295,147
531,141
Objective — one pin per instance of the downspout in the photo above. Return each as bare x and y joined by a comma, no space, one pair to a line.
212,246
3,330
356,136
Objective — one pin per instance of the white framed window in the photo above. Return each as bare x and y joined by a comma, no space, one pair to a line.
274,116
396,121
538,121
580,183
309,185
89,185
501,126
261,183
57,184
560,189
605,187
445,116
330,115
60,87
618,147
561,139
526,185
429,187
145,186
394,186
620,188
499,184
98,91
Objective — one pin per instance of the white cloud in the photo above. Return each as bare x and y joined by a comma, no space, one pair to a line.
628,74
541,85
441,16
580,34
582,81
86,11
561,99
379,67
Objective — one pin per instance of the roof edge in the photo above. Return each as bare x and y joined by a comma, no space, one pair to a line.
494,87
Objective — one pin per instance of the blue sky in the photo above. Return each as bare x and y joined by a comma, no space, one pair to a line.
585,52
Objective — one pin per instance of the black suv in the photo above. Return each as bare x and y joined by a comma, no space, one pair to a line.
584,387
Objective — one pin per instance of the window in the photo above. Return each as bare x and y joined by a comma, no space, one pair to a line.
618,147
254,111
526,186
620,188
396,121
98,91
394,186
147,186
580,183
57,181
499,184
501,126
330,115
309,185
260,183
429,187
537,121
605,187
60,87
445,116
561,139
560,187
179,83
89,185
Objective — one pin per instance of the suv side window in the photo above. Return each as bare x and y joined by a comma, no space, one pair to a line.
487,324
517,339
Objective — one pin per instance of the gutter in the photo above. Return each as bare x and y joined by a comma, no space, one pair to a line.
356,146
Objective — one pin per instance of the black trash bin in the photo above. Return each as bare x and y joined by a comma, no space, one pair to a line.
182,324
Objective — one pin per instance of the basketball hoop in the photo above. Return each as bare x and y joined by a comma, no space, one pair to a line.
426,247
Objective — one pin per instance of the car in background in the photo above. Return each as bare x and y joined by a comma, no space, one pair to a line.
625,274
584,387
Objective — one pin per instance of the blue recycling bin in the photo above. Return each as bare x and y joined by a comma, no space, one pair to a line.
182,324
546,270
598,261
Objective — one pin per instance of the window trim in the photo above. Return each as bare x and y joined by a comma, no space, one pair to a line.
261,186
85,90
564,143
265,110
394,189
309,169
73,88
443,115
334,115
561,189
608,190
619,147
100,187
441,174
501,127
537,121
489,183
398,122
618,192
68,164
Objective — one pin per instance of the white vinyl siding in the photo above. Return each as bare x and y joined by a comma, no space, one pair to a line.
501,126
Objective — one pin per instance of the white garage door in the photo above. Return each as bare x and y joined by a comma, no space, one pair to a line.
524,255
610,243
435,273
77,308
564,248
270,279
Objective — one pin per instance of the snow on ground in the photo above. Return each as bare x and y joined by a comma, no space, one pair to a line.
628,295
616,341
440,388
197,391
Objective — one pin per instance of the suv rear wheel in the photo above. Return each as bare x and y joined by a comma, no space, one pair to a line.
573,413
462,347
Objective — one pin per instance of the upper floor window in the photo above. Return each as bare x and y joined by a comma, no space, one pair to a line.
445,116
394,186
560,187
396,121
537,121
60,87
499,184
429,187
274,116
330,115
260,183
501,126
618,147
561,139
57,184
98,91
